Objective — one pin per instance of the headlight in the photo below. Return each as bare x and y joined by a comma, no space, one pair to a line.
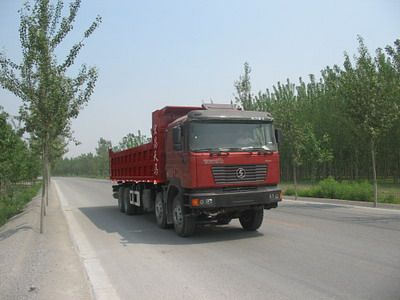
196,202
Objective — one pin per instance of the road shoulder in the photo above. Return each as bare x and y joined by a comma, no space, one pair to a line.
344,202
40,266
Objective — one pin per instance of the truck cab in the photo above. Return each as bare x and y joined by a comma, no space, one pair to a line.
221,163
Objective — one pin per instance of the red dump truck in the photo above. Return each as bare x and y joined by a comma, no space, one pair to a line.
204,165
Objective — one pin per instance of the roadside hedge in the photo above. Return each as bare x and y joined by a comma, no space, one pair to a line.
14,202
330,188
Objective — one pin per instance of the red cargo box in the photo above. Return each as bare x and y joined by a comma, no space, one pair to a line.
147,162
134,164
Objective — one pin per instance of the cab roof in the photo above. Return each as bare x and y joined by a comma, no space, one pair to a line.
222,114
231,114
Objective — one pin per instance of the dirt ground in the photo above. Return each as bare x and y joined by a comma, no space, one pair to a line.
40,266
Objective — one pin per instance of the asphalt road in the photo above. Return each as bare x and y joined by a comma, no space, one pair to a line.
302,251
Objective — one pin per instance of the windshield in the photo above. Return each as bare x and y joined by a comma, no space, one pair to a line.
231,136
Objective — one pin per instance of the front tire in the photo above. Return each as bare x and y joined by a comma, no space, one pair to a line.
184,224
160,211
252,219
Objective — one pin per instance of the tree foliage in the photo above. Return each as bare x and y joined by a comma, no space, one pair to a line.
243,88
18,161
50,97
132,140
101,158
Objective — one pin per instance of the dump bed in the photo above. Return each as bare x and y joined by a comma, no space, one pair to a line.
146,163
133,164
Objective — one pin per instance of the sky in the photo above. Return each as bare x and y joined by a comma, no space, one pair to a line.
150,54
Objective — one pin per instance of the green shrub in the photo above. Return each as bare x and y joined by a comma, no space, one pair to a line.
308,192
389,199
330,188
289,192
11,205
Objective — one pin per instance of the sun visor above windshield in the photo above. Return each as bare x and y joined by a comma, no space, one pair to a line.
229,114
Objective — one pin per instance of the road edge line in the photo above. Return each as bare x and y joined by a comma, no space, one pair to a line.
394,211
99,282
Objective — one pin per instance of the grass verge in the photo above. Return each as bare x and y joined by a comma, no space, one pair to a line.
15,202
345,190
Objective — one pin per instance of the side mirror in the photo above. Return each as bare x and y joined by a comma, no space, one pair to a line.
177,138
278,135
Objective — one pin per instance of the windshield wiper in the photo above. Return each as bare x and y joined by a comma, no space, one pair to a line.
238,149
212,149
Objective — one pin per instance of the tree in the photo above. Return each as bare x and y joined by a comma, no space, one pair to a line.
369,93
243,88
18,162
50,98
287,114
102,156
133,140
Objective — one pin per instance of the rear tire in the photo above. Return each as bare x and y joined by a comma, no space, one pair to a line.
130,209
252,219
160,211
184,224
121,204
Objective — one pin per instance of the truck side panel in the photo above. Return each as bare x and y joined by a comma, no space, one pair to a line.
133,164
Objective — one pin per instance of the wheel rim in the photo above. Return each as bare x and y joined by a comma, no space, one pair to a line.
159,210
178,215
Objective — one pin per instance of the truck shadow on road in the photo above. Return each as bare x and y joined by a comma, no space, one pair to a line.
142,229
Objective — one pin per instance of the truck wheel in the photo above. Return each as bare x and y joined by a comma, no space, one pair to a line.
121,204
160,211
184,224
252,219
130,209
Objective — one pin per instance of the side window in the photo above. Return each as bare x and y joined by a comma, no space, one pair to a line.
177,138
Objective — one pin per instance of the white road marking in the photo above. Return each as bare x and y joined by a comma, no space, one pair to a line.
376,209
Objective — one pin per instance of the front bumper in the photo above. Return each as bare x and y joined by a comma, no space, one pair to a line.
267,196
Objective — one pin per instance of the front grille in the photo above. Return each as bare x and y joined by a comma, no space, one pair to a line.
239,173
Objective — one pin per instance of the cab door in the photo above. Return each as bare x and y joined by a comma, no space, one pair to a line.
177,159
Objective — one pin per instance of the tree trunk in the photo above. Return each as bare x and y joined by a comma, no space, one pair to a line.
374,173
295,180
48,182
42,202
45,190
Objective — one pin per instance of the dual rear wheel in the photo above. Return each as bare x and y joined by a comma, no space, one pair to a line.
160,211
124,204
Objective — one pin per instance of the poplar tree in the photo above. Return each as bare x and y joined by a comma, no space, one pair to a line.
133,140
50,97
243,88
370,96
